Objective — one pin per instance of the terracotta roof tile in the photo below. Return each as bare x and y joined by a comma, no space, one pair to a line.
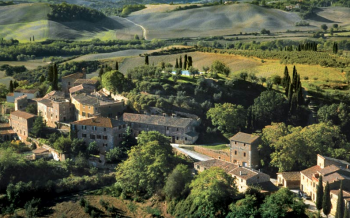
74,76
46,102
328,170
310,171
346,195
217,163
99,122
157,120
244,172
32,91
22,114
290,175
85,81
342,162
10,94
244,137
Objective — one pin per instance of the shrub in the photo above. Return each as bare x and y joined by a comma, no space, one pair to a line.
306,78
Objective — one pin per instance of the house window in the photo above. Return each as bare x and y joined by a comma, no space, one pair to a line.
83,135
92,136
219,158
235,152
244,144
105,137
198,167
104,129
177,138
177,129
68,83
83,114
185,138
244,154
98,136
167,128
94,128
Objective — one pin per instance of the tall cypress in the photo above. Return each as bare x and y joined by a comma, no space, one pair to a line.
319,194
101,72
55,78
146,60
326,203
50,74
42,79
11,86
185,62
290,93
116,66
189,62
176,64
285,77
180,62
340,203
15,84
346,212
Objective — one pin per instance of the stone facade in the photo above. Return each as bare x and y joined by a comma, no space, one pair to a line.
106,132
22,122
333,171
244,150
180,130
87,106
55,110
217,154
68,81
289,180
21,102
30,93
6,132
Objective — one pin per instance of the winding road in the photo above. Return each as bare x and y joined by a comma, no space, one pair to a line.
193,154
144,31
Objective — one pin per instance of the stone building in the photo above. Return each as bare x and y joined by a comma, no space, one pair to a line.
244,176
87,106
21,102
181,130
82,88
68,81
30,93
289,180
244,150
6,132
54,110
89,82
106,132
333,171
21,123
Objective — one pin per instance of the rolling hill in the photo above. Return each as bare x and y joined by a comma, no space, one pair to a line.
22,21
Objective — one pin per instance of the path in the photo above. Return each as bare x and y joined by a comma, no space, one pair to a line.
193,154
144,31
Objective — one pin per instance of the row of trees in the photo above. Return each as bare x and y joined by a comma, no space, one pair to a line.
52,76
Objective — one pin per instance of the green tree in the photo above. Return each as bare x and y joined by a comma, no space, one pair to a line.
63,144
282,204
93,148
136,37
324,27
335,26
346,212
128,140
114,154
38,126
219,67
42,79
55,78
326,203
185,62
32,108
268,107
177,183
180,63
116,66
11,86
147,166
246,207
50,73
113,81
100,73
229,118
340,203
176,64
319,194
146,60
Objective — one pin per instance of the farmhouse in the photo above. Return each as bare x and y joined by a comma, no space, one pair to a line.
244,150
21,123
106,132
68,81
333,171
54,110
289,179
181,130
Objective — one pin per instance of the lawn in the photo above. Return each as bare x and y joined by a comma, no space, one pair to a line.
216,147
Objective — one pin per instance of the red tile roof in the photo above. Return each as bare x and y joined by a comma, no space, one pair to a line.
74,76
32,91
310,171
346,195
22,114
100,122
244,137
217,163
157,120
244,172
294,176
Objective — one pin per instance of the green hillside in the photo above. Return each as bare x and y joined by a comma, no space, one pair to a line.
23,21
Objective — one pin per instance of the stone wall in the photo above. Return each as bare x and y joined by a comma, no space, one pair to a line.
217,154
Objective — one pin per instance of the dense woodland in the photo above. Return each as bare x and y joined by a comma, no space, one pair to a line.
68,12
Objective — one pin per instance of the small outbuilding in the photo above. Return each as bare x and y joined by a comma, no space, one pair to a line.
289,179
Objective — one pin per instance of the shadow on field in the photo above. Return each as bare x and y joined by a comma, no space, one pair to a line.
103,25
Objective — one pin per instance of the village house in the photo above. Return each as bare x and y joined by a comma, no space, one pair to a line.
6,132
244,176
68,81
82,88
333,171
21,123
87,106
54,110
90,82
106,132
30,93
181,130
289,180
244,150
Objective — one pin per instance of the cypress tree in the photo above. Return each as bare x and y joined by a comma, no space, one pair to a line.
189,62
300,96
176,64
101,72
290,93
285,77
55,78
287,86
15,84
146,60
116,66
180,62
11,86
185,62
294,103
340,203
50,74
42,79
33,39
326,203
319,194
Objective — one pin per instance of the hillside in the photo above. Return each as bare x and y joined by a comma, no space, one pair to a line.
23,21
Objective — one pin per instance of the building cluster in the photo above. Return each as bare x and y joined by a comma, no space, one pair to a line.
94,116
